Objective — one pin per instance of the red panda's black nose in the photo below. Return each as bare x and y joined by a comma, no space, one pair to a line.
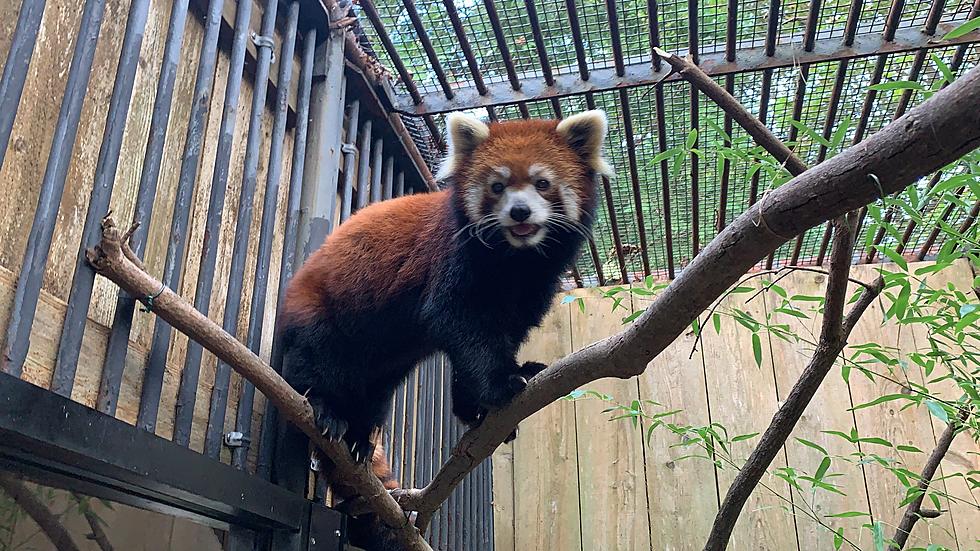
520,212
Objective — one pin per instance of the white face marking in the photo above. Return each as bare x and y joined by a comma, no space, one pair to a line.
569,200
540,211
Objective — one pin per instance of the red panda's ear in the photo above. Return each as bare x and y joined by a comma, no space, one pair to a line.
464,133
585,133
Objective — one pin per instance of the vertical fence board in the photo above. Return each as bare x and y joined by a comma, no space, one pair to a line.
503,494
682,494
610,468
547,504
743,398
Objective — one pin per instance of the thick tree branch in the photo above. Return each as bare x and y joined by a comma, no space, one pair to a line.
933,134
48,522
914,511
110,259
762,136
833,338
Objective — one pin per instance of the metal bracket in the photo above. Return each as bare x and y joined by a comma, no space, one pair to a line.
348,148
236,439
264,42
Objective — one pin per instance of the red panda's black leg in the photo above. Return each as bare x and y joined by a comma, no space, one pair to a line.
327,423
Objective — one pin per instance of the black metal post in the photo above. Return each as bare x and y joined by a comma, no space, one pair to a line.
364,164
350,160
376,163
15,68
388,177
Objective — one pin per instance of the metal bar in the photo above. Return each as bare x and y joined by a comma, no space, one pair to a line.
376,167
69,442
617,43
577,41
430,52
556,107
726,164
617,241
970,218
794,131
664,177
122,320
350,160
772,28
492,114
914,70
447,445
83,281
828,130
731,30
364,164
257,309
421,423
398,433
692,30
388,177
763,115
653,32
400,184
327,97
695,194
910,228
187,391
156,363
934,234
810,32
935,15
641,73
498,33
290,248
404,76
522,107
539,46
15,67
436,450
894,18
411,422
464,45
624,104
853,18
35,256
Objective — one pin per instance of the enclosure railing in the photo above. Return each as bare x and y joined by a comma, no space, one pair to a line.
237,135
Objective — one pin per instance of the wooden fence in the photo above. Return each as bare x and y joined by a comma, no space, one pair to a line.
573,479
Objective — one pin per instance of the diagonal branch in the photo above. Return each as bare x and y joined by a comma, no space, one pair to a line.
935,133
833,337
914,511
110,259
48,522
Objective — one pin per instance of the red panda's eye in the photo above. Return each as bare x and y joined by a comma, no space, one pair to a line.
542,184
497,187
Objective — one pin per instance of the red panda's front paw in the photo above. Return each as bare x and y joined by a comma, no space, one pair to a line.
329,425
530,369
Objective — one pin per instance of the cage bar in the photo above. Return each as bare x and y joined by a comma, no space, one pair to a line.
498,33
430,52
350,159
464,45
624,104
15,67
579,43
364,164
532,18
377,155
664,177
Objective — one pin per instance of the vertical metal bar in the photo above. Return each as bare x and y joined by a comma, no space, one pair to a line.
253,339
187,391
464,45
498,33
411,424
828,130
400,184
160,343
430,52
406,78
578,42
539,46
327,98
617,43
290,249
934,234
894,18
794,131
853,18
80,294
376,160
772,28
398,432
695,174
522,107
15,68
350,161
726,164
421,421
364,164
447,445
763,115
122,321
692,31
436,453
654,33
914,70
664,176
617,241
35,257
731,30
624,104
388,177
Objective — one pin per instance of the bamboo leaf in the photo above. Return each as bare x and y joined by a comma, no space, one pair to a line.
963,29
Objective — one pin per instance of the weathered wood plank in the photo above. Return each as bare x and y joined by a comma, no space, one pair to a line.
546,496
682,493
743,398
502,463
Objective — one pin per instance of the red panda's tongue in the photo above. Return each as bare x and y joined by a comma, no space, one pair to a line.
523,230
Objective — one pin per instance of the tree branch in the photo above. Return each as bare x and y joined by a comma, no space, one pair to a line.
933,134
914,511
98,535
110,259
833,338
48,522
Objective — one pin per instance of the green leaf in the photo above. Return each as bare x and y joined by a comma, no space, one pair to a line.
632,316
692,138
893,256
906,448
897,85
822,469
838,538
757,349
813,445
878,536
963,29
875,440
716,321
849,514
937,410
943,68
880,400
741,437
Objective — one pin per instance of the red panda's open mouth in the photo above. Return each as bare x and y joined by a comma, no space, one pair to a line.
524,230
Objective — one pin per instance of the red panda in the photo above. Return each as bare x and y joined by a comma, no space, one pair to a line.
467,271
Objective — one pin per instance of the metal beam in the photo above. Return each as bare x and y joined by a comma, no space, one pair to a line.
639,72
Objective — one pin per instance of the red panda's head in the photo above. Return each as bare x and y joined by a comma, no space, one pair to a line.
527,177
